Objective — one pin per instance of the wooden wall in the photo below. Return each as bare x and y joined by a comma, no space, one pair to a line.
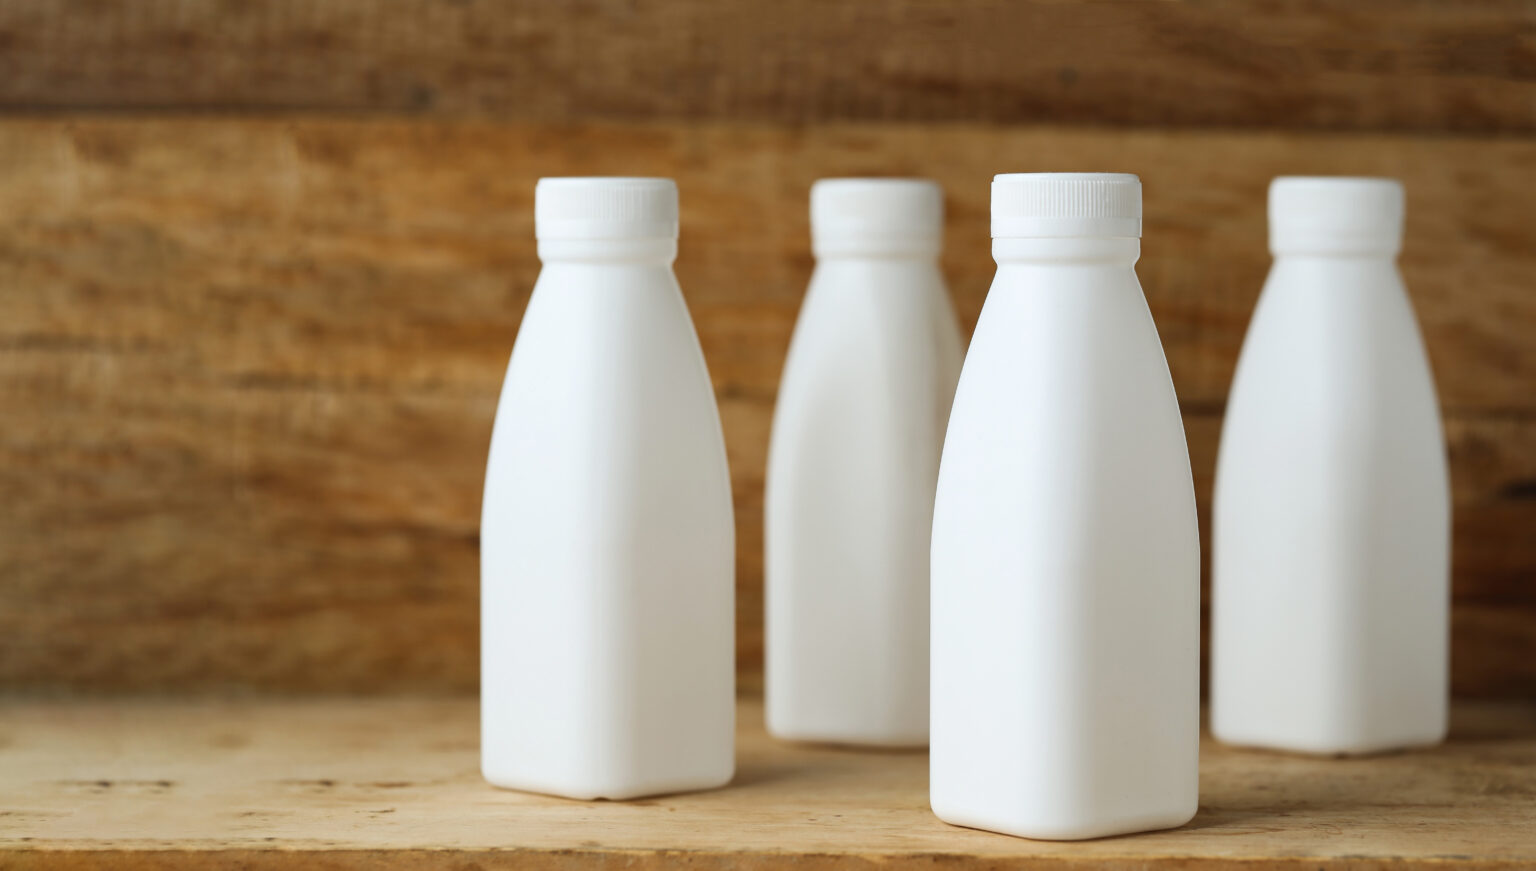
261,266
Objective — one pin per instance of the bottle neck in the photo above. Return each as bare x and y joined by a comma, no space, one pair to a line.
638,252
1079,250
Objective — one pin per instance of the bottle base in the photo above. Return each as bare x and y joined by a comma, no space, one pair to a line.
858,740
615,791
1329,747
1065,830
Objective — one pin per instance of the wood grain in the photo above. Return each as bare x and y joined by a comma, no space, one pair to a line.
248,367
1315,64
353,783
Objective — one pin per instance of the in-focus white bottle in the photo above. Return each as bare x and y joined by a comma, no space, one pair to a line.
1331,536
852,465
1066,559
607,544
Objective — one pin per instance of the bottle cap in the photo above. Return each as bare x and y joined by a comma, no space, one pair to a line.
1310,214
1029,205
605,208
877,216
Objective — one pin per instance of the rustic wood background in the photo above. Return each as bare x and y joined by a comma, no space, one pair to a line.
261,265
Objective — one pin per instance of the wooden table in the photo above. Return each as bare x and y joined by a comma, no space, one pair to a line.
355,783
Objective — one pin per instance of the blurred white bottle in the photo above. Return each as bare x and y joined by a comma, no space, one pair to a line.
1066,558
854,458
1331,536
607,544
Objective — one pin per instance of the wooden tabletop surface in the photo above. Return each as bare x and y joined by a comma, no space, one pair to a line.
395,782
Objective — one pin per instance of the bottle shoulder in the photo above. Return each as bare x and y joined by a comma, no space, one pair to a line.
1332,380
596,354
1060,329
587,310
1073,368
1325,342
868,325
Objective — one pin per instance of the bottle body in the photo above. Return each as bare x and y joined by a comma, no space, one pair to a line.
1331,520
1065,560
607,545
853,463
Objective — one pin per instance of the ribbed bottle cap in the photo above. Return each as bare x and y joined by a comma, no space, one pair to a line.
605,208
877,216
1061,204
1310,214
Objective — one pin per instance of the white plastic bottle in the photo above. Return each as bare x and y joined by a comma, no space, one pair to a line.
607,544
1066,559
1331,536
852,466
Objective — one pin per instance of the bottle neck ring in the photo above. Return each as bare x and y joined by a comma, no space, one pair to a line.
1105,250
636,251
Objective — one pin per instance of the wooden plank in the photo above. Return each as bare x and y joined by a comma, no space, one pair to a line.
248,367
417,231
353,783
1315,64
